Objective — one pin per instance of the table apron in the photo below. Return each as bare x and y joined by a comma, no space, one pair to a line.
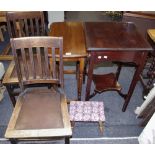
124,56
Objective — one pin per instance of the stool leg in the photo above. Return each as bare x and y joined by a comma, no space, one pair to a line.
13,141
101,126
72,124
67,140
85,70
77,69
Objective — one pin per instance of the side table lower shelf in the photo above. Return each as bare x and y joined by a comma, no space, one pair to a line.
106,82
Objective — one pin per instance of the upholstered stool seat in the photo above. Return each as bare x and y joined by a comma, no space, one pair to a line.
87,111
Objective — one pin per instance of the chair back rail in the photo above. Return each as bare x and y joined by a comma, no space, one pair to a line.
32,61
22,24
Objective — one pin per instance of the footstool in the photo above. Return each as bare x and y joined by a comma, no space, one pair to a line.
87,111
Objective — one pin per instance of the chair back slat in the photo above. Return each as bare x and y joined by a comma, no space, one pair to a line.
32,60
53,62
20,31
18,67
21,24
47,70
40,72
26,28
37,25
32,27
61,63
32,63
24,64
15,29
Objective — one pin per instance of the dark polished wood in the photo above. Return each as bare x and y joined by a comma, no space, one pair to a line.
39,112
115,41
117,36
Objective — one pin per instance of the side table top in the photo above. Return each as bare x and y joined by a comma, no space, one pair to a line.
114,36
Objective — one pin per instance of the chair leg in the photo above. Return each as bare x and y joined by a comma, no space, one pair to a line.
101,126
67,140
118,71
13,141
72,124
2,28
77,69
1,35
12,97
85,70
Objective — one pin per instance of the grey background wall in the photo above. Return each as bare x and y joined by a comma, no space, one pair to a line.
55,16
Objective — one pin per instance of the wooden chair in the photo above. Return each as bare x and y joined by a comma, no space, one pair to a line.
22,24
40,112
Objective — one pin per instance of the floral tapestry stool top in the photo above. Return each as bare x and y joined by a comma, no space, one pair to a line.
87,111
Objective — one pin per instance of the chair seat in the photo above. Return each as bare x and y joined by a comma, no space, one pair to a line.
39,112
87,111
41,109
